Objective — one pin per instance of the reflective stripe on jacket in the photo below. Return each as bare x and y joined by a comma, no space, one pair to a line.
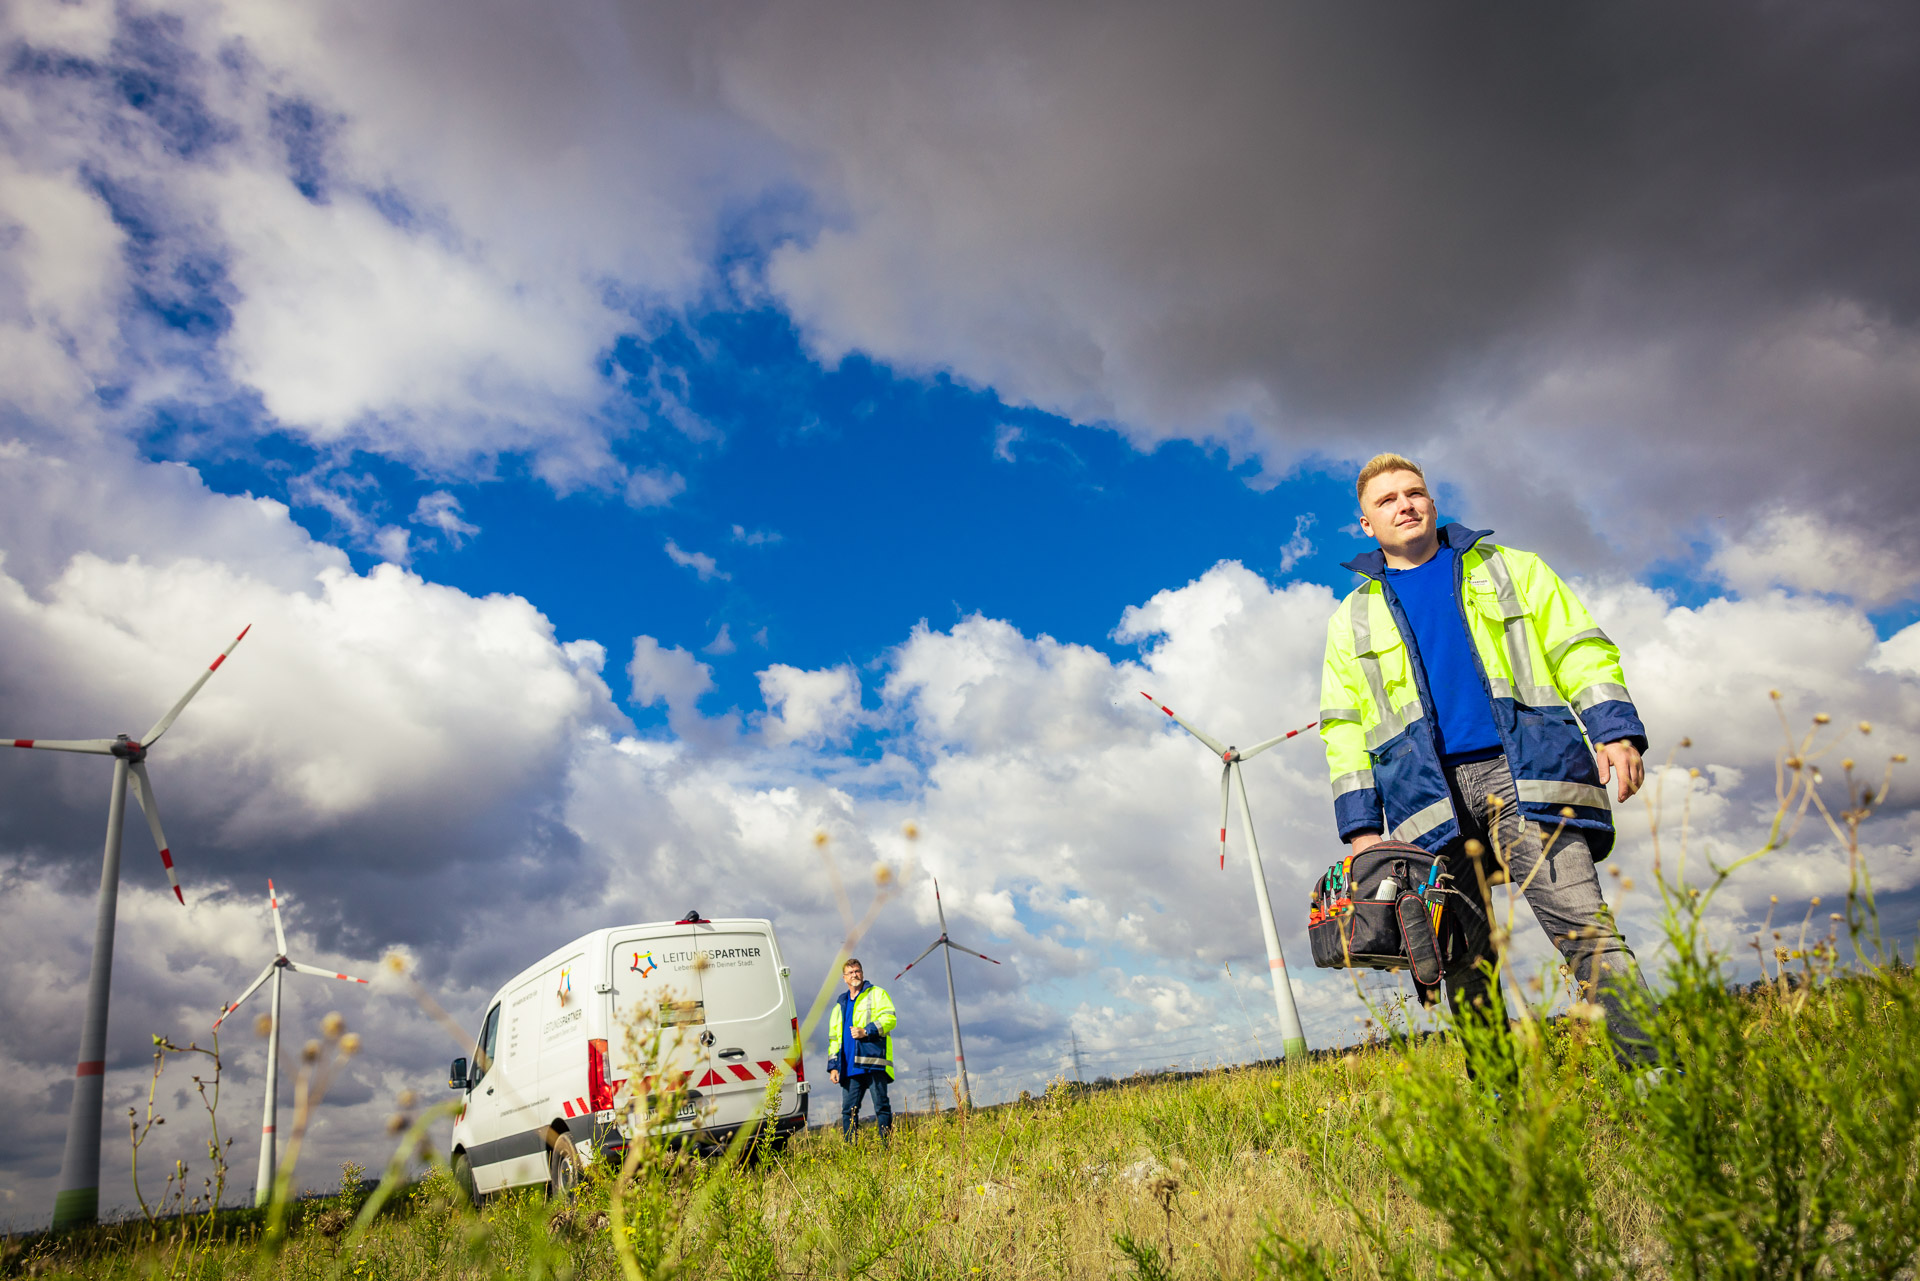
1544,663
872,1009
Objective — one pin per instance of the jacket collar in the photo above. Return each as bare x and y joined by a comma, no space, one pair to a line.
1374,563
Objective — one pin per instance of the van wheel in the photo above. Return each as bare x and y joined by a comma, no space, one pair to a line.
563,1169
463,1178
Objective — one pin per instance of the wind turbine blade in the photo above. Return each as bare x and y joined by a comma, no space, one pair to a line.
923,956
1212,745
92,746
143,793
1258,748
1226,780
940,908
161,726
240,1000
319,973
273,902
969,951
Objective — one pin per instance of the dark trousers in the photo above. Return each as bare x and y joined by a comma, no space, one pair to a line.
1562,888
855,1088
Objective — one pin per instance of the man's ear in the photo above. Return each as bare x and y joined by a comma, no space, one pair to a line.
1366,526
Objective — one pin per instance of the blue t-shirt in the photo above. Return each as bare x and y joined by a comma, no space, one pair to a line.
1429,597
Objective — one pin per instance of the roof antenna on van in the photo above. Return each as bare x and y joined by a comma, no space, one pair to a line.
693,917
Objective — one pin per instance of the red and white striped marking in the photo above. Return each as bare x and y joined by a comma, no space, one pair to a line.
166,860
575,1107
740,1071
214,666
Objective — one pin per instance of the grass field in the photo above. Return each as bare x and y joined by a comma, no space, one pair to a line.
1324,1170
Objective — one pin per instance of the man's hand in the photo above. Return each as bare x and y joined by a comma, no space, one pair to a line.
1365,839
1621,760
833,1076
859,1031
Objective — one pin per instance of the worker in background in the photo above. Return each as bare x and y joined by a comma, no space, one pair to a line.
1454,676
860,1049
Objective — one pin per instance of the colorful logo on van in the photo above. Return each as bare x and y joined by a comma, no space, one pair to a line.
566,986
644,964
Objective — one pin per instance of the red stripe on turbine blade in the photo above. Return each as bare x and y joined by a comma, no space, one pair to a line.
266,1129
744,1073
23,742
355,980
92,1067
166,858
1276,964
177,894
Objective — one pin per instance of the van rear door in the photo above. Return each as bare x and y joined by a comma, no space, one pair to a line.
658,1024
750,1016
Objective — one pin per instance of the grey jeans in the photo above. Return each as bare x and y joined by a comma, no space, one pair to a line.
1561,887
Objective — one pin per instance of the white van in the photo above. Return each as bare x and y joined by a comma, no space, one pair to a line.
551,1064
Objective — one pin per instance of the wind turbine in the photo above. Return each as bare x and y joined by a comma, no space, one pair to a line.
78,1200
263,1186
1293,1039
953,1006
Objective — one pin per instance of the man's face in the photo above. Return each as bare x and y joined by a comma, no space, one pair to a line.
1397,512
854,977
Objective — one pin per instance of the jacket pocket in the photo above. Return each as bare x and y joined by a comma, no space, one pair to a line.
1549,744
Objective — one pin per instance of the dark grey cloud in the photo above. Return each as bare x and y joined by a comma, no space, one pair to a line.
1660,250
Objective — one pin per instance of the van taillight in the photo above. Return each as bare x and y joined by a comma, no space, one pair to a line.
794,1056
600,1082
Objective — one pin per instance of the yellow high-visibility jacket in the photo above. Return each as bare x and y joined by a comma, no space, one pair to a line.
1548,670
873,1010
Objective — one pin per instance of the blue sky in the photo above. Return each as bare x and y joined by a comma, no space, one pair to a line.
841,506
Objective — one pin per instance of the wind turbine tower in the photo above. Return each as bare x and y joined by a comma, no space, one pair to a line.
953,1006
77,1201
278,966
1293,1037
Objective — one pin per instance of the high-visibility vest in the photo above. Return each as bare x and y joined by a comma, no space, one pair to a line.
1549,672
872,1009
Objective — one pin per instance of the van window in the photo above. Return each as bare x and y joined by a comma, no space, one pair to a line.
740,980
484,1047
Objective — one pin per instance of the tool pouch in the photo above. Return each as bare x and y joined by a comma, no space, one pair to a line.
1380,910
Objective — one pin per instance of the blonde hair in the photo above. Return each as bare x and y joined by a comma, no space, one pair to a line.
1379,465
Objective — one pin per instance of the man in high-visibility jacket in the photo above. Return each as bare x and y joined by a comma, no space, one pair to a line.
1459,677
860,1049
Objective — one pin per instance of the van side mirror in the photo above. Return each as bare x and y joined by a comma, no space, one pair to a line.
457,1075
